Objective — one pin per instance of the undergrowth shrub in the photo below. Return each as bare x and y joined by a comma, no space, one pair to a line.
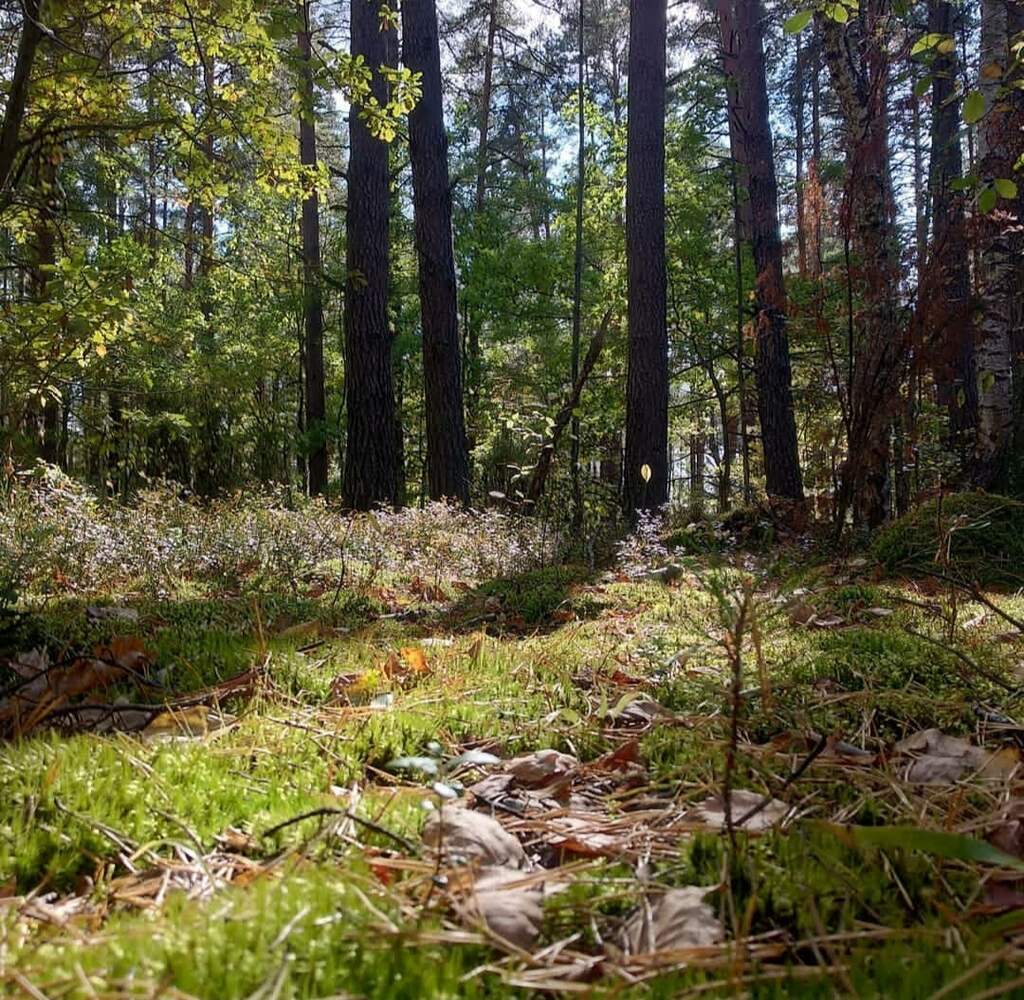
58,537
975,537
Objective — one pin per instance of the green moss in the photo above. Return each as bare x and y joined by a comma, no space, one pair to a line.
982,533
536,595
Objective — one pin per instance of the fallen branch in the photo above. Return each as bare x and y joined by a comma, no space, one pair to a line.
407,845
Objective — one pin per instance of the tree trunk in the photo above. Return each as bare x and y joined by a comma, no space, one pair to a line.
485,106
647,382
316,401
947,286
742,47
799,100
371,461
447,451
543,467
17,94
577,280
859,68
999,145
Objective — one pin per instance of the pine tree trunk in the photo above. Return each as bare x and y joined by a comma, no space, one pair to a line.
742,46
859,68
313,355
647,383
371,461
447,452
948,279
999,145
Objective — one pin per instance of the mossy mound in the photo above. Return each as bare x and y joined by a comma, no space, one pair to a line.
982,533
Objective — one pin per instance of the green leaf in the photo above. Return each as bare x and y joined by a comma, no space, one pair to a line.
1005,188
987,200
914,838
798,22
927,42
838,13
974,107
922,86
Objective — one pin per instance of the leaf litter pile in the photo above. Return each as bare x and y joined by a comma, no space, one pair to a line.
719,786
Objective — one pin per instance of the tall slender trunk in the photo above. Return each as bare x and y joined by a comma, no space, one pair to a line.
371,460
742,47
647,381
859,67
999,146
447,451
313,354
799,100
485,106
17,94
577,278
947,285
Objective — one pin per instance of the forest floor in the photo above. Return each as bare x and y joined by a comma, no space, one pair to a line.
264,837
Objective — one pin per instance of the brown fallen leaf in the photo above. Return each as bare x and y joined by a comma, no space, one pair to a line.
1008,835
584,834
513,912
27,665
943,760
678,919
463,836
540,768
711,812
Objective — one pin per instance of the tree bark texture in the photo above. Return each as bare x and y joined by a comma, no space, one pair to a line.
447,450
371,460
647,383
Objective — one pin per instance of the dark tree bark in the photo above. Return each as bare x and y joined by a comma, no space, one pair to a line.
485,106
313,355
371,459
17,94
577,283
742,48
646,484
447,450
859,67
947,285
1001,338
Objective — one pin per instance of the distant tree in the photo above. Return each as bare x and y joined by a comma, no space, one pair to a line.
313,349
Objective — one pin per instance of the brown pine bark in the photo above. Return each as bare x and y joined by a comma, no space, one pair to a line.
371,455
742,47
447,450
859,68
946,292
17,94
645,475
313,313
1001,337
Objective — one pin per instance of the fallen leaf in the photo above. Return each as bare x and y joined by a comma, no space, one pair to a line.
801,613
711,812
514,913
678,919
540,768
1008,836
415,659
27,665
944,759
96,613
127,651
463,836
